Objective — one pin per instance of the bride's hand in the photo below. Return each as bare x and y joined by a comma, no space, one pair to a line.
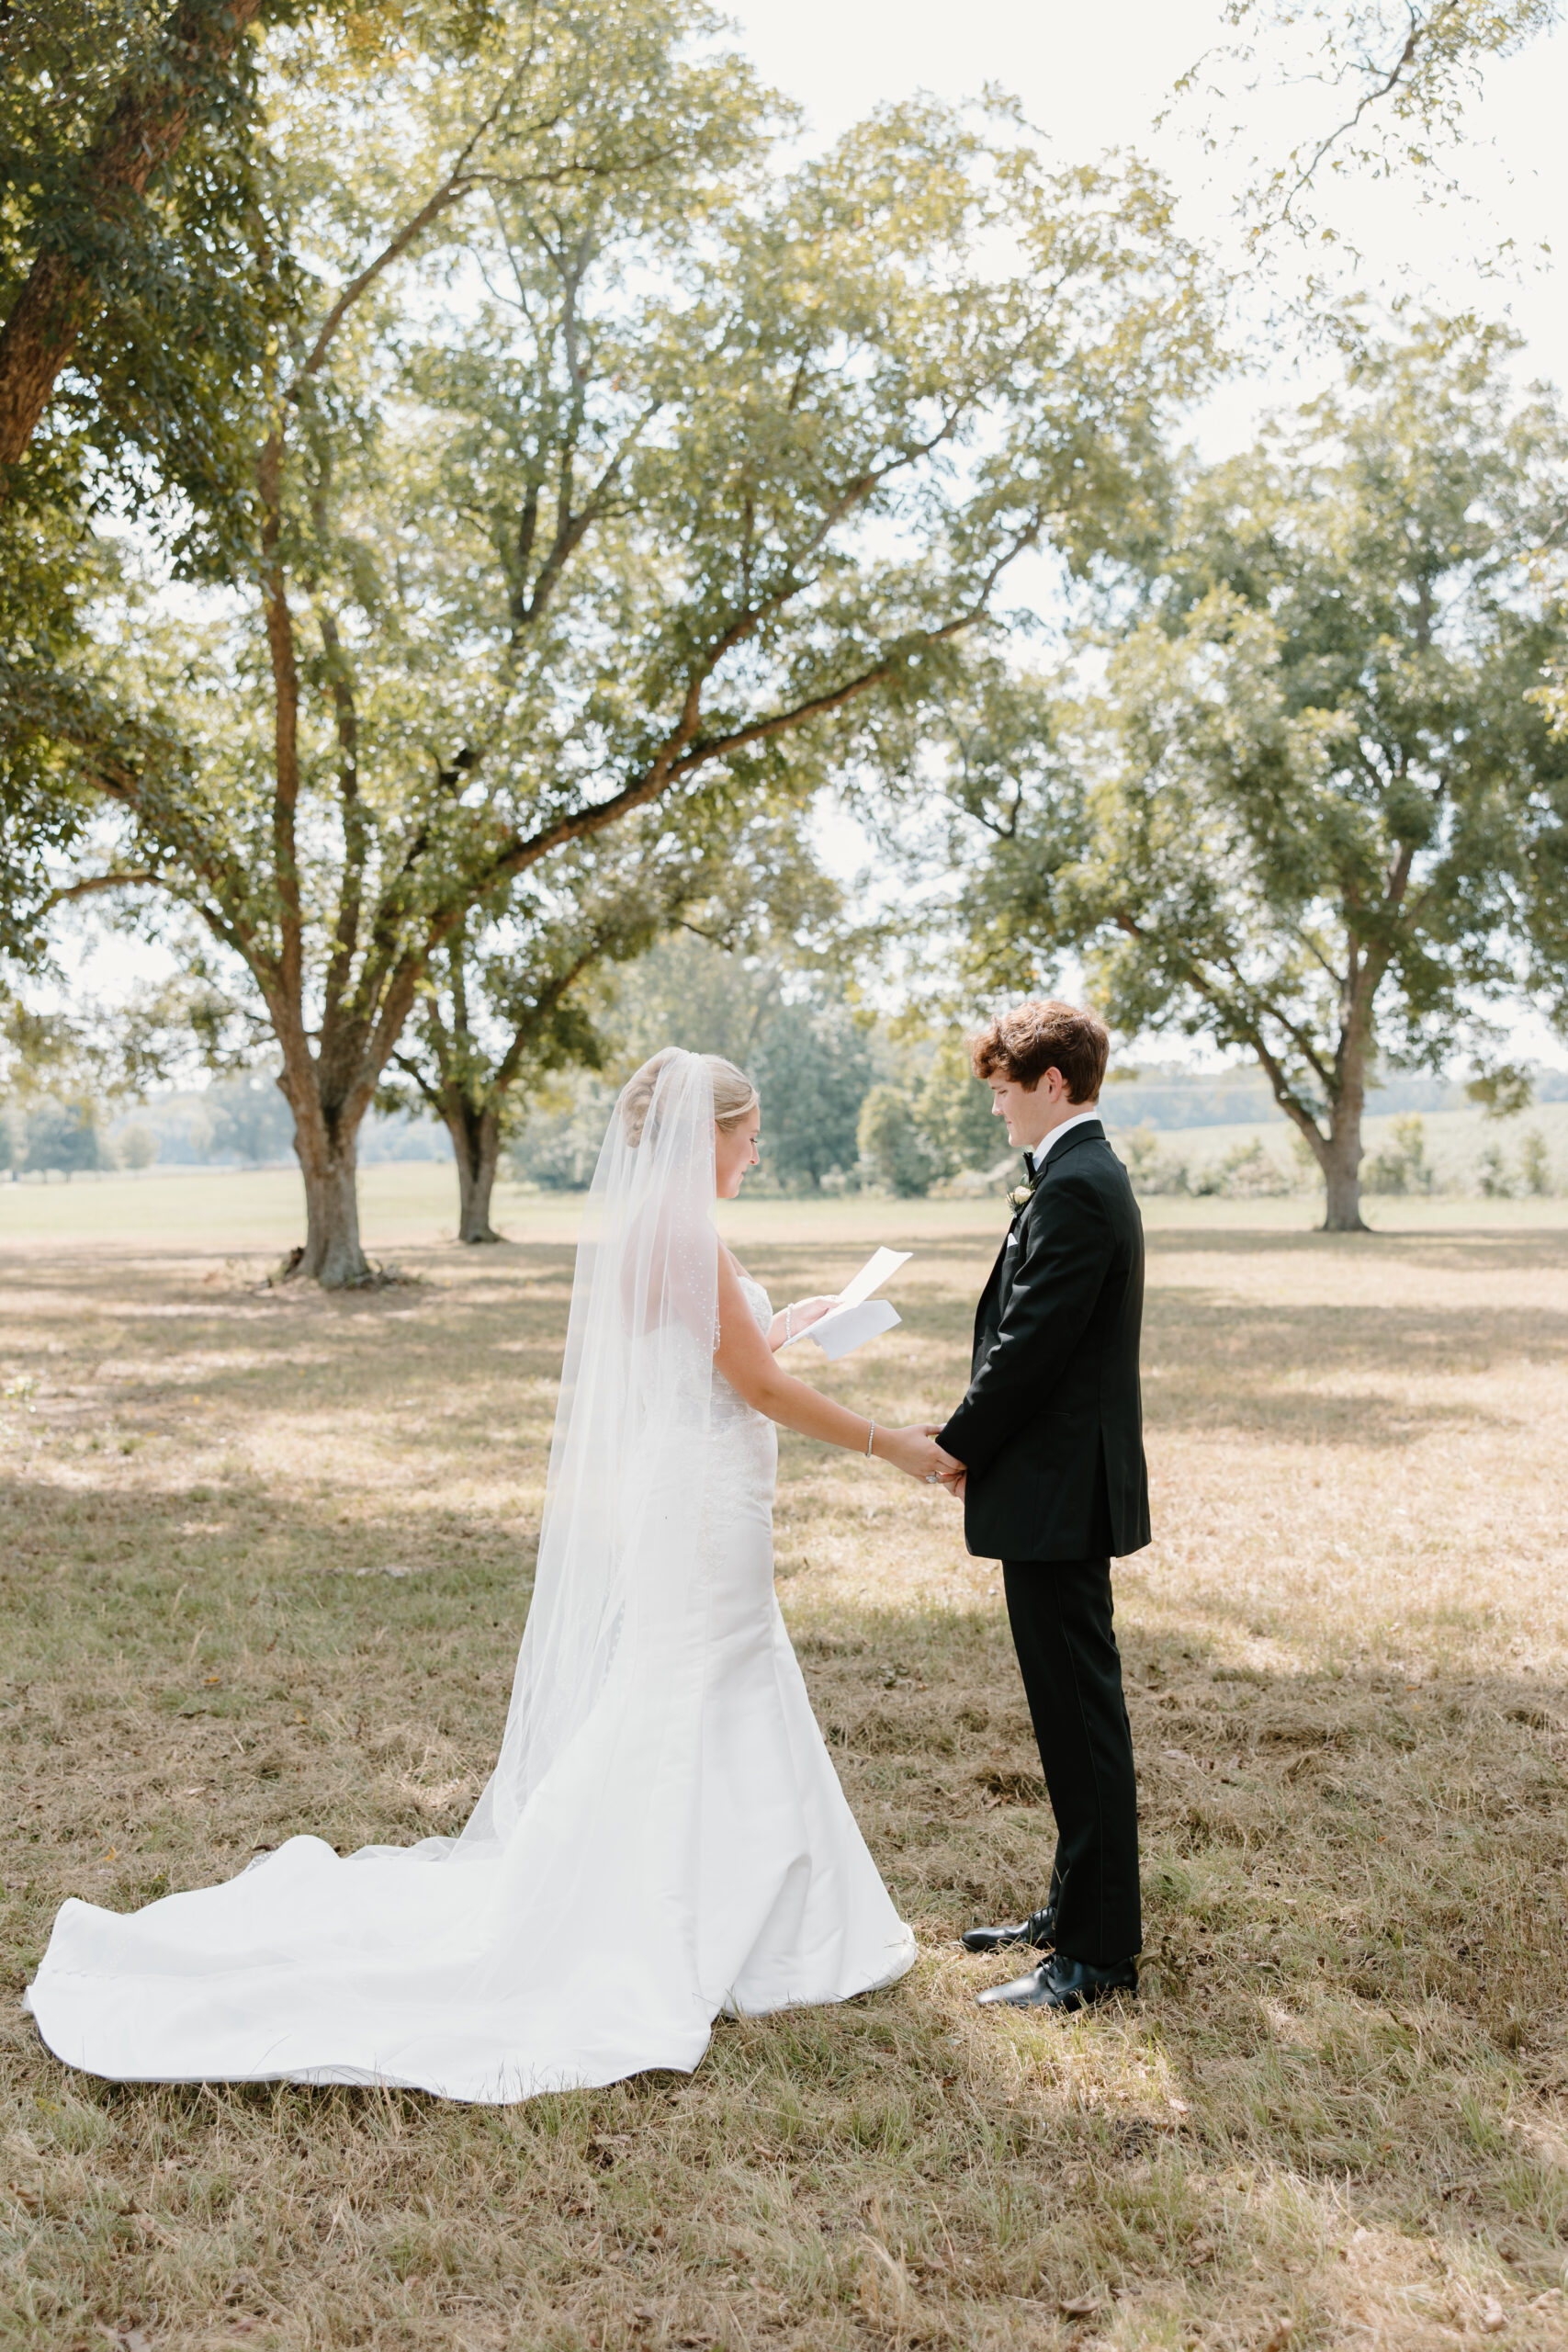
796,1317
915,1452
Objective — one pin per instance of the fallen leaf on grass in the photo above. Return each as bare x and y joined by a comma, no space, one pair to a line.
1494,2318
1079,2307
1178,2106
1279,2338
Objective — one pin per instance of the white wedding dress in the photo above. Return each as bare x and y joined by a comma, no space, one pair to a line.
664,1838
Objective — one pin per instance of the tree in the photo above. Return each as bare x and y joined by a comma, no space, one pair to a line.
721,453
500,1014
479,1091
1291,821
757,978
892,1144
125,159
133,206
248,1119
136,1147
62,1135
694,992
1401,1166
771,1000
956,1112
813,1067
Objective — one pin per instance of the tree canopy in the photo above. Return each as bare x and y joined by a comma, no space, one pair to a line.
1290,820
599,465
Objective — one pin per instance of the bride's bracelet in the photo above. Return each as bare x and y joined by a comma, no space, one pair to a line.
789,1325
871,1439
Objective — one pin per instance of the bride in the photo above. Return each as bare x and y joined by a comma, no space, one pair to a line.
663,1835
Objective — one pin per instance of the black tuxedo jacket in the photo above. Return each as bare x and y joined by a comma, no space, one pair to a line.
1052,1428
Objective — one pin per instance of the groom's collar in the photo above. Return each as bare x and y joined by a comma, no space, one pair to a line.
1037,1158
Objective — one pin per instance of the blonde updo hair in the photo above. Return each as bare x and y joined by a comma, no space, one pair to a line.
733,1096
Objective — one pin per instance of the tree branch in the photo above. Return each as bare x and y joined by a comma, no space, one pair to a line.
97,882
356,830
1247,1029
285,719
1420,34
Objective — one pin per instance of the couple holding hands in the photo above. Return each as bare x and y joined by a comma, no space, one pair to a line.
664,1836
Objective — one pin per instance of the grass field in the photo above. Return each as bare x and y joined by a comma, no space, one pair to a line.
265,1557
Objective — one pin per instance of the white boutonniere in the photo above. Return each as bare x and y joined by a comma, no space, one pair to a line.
1022,1195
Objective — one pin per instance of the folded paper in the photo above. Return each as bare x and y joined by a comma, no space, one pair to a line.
858,1317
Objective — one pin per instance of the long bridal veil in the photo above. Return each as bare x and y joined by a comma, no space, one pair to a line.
494,1964
629,1456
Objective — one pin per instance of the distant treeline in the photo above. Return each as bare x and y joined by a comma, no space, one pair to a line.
1167,1100
236,1123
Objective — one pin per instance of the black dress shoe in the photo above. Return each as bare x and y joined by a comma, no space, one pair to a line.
1039,1929
1063,1984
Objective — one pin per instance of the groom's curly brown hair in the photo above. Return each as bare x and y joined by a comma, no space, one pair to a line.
1028,1039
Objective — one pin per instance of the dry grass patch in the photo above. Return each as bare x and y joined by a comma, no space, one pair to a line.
264,1560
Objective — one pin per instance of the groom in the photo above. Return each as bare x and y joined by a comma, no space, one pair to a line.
1047,1456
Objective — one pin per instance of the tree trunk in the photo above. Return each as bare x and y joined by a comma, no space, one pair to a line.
1341,1164
328,1163
1344,1181
476,1146
1342,1161
35,343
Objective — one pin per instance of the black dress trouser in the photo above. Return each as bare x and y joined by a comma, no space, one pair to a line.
1060,1612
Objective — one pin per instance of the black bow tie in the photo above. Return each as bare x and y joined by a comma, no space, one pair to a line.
1029,1164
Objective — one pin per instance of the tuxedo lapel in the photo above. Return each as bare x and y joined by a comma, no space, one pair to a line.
1039,1172
998,1281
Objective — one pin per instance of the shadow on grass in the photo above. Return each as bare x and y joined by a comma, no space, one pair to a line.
1389,1841
1457,1250
1305,1370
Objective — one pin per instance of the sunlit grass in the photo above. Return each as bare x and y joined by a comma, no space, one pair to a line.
265,1559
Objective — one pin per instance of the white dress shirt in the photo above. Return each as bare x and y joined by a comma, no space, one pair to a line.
1042,1152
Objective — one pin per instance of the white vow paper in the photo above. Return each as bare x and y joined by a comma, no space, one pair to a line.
850,1327
858,1317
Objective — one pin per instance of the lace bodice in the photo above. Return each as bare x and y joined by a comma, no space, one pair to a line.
728,1410
761,1304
